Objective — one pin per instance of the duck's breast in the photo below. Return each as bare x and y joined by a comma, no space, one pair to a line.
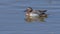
33,15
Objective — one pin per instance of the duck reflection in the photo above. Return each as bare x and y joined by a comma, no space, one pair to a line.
41,18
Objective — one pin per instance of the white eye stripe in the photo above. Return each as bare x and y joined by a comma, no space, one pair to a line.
28,8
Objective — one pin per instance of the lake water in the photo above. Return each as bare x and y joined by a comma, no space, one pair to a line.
12,17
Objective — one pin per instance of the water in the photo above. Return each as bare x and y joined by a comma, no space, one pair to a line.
12,17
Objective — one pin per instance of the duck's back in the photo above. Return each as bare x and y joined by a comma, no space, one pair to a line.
36,11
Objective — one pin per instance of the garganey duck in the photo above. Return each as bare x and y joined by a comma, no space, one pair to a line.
34,13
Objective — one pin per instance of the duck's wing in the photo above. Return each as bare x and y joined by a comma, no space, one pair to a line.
37,11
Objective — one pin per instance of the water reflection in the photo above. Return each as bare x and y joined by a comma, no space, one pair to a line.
41,18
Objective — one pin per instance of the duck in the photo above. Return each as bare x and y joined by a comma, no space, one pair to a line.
34,13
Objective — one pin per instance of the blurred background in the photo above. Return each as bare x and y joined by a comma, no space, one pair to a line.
12,17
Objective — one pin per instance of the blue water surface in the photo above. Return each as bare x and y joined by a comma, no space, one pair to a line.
12,17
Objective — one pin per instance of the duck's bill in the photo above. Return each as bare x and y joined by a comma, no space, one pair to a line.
25,10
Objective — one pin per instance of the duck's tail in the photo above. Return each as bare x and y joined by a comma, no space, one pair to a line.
42,11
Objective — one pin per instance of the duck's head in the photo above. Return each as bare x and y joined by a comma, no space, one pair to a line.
29,9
